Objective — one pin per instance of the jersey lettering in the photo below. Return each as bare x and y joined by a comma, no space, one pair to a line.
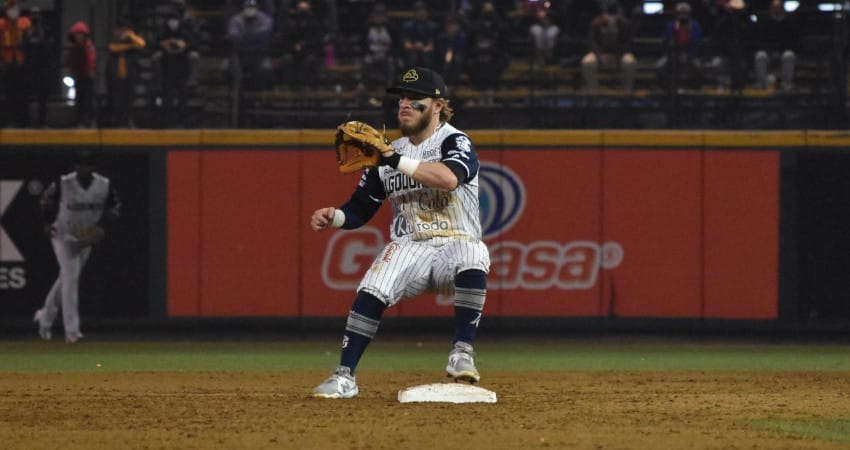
399,182
430,200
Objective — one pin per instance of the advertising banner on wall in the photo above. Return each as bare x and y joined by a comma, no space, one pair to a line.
114,281
578,232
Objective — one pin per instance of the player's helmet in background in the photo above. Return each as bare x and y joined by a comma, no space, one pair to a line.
85,158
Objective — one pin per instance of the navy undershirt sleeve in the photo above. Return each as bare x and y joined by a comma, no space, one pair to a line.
458,153
365,200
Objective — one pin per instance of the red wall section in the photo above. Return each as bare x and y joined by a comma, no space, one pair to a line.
250,235
232,233
652,206
334,260
741,234
679,233
547,264
184,227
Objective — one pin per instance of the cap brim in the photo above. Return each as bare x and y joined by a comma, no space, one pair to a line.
399,90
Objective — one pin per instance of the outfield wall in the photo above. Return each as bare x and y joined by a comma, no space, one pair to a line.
580,224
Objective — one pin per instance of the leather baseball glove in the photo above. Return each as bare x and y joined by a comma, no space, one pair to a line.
359,145
89,235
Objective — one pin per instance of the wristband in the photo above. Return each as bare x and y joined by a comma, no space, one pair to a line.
408,165
391,161
339,218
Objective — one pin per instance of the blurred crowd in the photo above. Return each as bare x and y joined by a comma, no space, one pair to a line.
289,45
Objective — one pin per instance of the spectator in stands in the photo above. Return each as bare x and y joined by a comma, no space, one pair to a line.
233,7
610,46
80,60
13,32
120,73
191,25
732,33
679,67
305,41
380,44
777,40
325,11
249,32
450,50
487,57
418,36
175,53
39,44
544,36
706,13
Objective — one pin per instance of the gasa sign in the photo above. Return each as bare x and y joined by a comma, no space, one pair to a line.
535,265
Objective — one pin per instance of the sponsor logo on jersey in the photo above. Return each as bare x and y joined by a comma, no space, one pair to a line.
401,226
431,154
388,255
433,200
463,147
501,196
12,276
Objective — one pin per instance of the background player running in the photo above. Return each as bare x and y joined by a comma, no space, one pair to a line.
78,201
431,181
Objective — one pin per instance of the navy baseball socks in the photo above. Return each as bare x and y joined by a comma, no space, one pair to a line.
470,294
362,325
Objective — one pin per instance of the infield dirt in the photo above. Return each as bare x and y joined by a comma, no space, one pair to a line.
594,409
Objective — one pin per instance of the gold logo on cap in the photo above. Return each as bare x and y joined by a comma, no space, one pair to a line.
410,76
437,91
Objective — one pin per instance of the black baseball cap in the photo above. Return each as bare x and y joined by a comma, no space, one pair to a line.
420,80
85,158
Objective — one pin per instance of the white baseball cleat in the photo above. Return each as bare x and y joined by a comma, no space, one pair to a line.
461,365
341,384
43,331
73,338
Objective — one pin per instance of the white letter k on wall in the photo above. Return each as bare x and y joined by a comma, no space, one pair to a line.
8,251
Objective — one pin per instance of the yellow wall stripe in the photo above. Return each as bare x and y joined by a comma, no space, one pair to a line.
512,138
828,138
12,136
755,139
662,138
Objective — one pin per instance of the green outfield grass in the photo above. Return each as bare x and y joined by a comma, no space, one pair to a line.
826,429
270,356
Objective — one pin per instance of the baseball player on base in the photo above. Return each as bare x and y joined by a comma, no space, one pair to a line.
431,181
74,208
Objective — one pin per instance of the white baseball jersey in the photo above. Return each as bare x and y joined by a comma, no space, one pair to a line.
435,233
420,212
80,207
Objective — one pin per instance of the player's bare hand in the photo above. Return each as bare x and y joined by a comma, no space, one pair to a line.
322,218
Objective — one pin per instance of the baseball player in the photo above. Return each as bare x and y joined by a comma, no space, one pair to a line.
75,208
431,181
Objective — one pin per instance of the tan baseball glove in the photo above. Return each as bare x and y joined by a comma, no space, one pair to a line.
89,235
359,145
